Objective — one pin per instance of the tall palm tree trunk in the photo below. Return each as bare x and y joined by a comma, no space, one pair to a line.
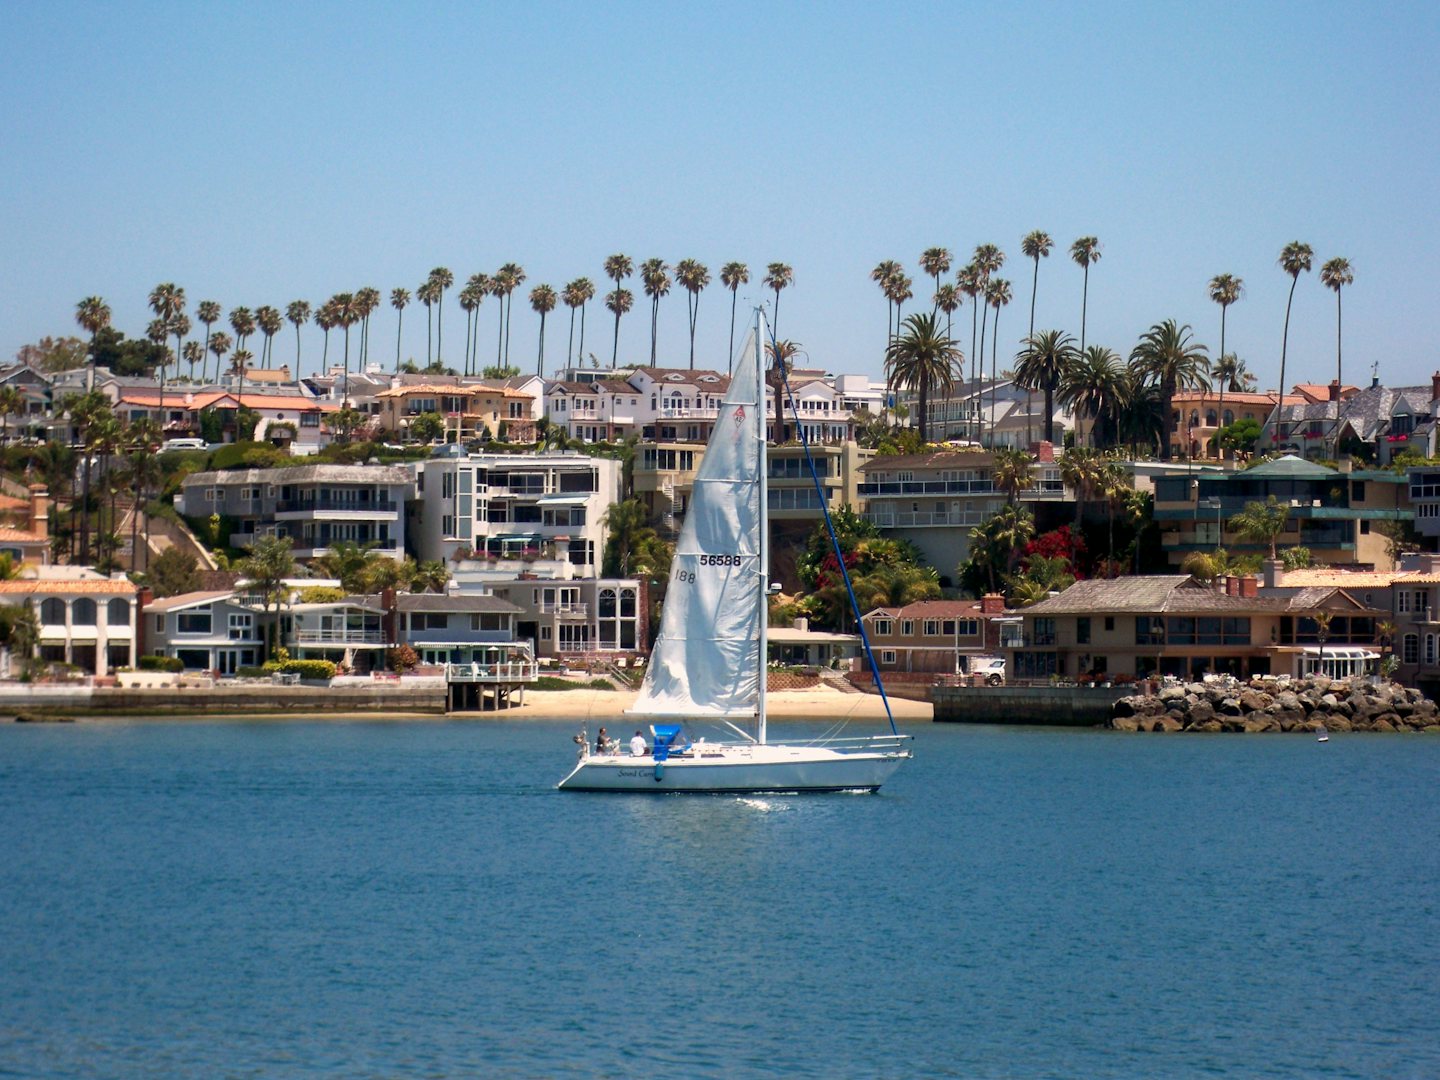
730,360
974,381
615,347
399,322
995,380
570,348
541,369
1084,306
1276,435
980,374
1029,398
582,334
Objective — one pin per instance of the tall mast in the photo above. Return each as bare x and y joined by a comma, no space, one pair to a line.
764,550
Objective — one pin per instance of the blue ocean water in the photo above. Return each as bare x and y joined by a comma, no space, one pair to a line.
414,899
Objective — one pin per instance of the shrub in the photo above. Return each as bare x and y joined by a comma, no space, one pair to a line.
248,672
161,663
403,658
321,594
309,669
247,455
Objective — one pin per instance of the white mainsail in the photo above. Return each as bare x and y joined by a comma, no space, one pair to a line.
706,660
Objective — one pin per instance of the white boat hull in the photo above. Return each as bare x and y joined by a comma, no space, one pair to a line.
739,770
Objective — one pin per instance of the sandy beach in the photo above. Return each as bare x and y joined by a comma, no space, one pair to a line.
820,703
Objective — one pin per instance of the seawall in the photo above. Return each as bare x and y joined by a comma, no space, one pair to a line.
299,700
1055,706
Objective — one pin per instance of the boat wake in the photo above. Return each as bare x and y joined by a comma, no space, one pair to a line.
765,806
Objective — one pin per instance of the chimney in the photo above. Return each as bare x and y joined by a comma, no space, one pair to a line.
1274,574
1335,388
143,599
1249,585
1375,379
994,603
1232,585
39,511
802,624
1044,452
1435,386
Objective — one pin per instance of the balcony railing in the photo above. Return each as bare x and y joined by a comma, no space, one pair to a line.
508,671
902,519
339,637
383,506
564,609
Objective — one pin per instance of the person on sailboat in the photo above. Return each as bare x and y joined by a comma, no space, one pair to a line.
602,742
637,745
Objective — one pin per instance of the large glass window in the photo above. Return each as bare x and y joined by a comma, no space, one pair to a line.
52,612
193,622
117,613
82,612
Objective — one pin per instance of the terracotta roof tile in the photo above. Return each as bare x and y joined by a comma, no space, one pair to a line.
30,586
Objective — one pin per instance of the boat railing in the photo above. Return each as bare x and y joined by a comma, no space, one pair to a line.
885,741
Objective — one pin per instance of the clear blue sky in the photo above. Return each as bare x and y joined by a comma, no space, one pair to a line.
259,153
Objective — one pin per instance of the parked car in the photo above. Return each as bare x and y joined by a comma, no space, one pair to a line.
992,667
183,444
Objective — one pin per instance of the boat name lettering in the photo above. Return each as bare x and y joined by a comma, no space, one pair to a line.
719,560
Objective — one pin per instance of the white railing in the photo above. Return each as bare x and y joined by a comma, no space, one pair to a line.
906,518
564,609
339,637
506,671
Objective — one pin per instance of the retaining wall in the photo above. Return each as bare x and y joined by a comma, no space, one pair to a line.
223,700
1054,706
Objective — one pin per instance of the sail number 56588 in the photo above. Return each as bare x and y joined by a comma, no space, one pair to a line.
719,560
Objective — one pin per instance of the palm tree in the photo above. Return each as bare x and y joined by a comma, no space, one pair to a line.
167,300
921,359
242,321
470,303
270,322
1294,260
967,281
619,302
1036,245
87,412
143,439
1166,356
935,261
510,276
208,312
267,566
1092,385
884,275
398,299
778,276
1081,469
1225,289
987,260
732,276
655,277
571,297
1086,253
1337,274
347,314
1262,523
298,314
1041,364
441,279
585,290
1226,374
782,358
1012,473
997,295
325,319
1114,486
947,299
428,293
692,276
194,352
542,301
618,267
367,302
219,347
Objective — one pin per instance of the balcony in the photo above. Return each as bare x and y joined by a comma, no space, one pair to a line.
509,671
339,637
909,519
929,487
565,609
374,506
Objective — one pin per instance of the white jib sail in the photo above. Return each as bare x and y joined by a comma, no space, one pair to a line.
706,660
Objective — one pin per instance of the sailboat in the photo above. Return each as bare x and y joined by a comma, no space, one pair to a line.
708,663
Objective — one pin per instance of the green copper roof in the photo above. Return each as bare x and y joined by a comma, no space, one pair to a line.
1289,467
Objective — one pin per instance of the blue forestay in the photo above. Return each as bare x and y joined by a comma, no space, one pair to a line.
830,528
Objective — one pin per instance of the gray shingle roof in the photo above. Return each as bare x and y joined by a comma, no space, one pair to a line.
302,474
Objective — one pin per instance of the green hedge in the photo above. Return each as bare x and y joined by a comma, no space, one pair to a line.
250,672
309,669
161,663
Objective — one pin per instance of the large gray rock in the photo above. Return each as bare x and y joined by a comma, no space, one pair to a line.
1255,700
1125,723
1172,693
1229,706
1259,722
1201,714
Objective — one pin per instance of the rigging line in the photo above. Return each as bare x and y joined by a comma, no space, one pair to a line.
830,527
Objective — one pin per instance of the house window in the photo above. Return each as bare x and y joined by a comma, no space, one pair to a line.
117,613
1402,601
309,419
1429,648
82,612
887,656
52,612
1109,622
428,620
1422,599
932,627
1044,632
884,627
907,627
544,633
241,625
1410,648
159,624
192,622
1082,630
967,628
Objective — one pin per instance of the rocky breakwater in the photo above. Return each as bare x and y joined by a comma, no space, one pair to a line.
1264,705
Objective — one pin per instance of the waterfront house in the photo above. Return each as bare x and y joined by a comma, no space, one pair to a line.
290,420
468,410
1175,625
25,527
1377,422
85,619
314,505
934,499
932,639
1333,512
207,631
523,506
